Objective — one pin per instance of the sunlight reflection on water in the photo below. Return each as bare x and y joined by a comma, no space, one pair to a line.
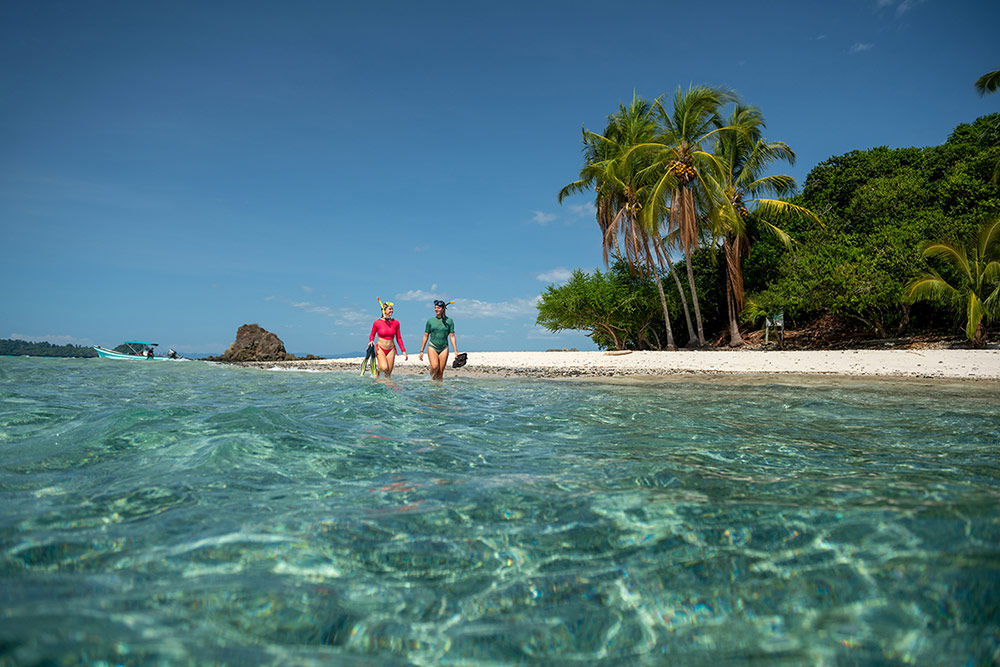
191,513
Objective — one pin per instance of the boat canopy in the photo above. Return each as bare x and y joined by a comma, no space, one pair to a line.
139,342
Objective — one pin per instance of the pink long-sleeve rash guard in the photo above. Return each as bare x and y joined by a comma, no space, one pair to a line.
386,331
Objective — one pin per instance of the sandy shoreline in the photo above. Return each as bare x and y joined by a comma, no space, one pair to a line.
912,363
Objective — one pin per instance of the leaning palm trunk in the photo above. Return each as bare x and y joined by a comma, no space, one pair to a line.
680,291
652,265
666,314
685,220
694,298
733,251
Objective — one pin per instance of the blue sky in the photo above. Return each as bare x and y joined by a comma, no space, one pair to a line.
172,170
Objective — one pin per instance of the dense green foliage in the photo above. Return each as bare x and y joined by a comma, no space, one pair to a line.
877,207
26,348
969,279
620,309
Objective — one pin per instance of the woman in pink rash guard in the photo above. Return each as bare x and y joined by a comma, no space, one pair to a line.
386,329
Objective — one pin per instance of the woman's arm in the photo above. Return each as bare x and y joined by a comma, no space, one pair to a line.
423,344
399,338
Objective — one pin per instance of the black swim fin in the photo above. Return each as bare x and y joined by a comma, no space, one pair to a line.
460,360
368,355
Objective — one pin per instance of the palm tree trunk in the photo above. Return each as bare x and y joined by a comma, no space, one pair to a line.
735,339
694,297
685,221
684,301
730,251
666,315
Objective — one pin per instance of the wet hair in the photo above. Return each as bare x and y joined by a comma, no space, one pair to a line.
444,308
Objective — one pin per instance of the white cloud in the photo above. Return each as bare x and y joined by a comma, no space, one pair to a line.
902,7
474,309
860,47
313,308
556,275
307,289
587,210
55,339
342,316
348,317
418,295
543,218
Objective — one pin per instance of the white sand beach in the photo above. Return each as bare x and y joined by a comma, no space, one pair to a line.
952,364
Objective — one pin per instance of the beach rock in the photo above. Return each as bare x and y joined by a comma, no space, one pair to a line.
254,343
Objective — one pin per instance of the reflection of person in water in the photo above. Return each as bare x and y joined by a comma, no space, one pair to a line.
439,330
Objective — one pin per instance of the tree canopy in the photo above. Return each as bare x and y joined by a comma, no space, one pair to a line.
41,349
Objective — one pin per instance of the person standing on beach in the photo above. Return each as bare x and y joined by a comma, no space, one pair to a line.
438,331
386,329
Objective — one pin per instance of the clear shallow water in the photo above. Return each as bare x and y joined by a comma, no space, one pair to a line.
182,513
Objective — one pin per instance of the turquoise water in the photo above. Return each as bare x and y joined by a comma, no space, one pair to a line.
188,513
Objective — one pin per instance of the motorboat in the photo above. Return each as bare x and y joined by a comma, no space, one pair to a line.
134,350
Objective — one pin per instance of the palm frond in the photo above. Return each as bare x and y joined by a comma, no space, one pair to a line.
776,209
929,286
954,256
779,185
989,241
975,316
988,83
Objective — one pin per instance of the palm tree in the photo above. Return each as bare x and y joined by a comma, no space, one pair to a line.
681,159
622,183
988,83
736,188
974,284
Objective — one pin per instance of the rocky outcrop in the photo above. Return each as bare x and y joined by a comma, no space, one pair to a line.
255,344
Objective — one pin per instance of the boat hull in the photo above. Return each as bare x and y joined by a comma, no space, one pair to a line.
105,353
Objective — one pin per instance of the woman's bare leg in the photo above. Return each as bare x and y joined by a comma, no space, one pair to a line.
386,361
438,362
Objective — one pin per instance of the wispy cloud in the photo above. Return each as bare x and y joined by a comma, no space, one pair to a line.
55,339
902,6
313,308
587,210
307,289
556,275
342,316
419,295
543,218
474,309
860,47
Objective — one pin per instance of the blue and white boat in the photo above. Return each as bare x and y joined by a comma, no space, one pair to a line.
135,350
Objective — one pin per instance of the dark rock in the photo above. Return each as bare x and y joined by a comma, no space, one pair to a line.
255,344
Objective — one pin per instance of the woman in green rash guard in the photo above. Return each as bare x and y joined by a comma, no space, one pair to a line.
437,332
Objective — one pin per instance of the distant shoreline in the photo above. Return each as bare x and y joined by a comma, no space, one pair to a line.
915,363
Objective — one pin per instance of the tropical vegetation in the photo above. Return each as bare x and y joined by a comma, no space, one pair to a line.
846,251
969,280
42,349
